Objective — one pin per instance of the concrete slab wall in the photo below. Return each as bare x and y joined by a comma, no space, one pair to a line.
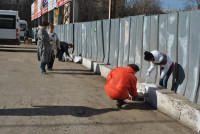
106,40
123,41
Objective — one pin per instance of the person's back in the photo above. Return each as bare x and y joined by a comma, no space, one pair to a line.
121,84
117,84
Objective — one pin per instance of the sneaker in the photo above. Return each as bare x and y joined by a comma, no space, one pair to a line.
44,72
119,103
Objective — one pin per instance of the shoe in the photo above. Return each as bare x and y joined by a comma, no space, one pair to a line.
119,103
44,72
50,69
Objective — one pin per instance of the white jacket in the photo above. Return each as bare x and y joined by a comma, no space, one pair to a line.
54,42
159,59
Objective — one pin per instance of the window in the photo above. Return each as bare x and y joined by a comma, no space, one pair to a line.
8,21
22,27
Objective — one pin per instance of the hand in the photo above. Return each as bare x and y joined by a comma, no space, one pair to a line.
148,74
162,76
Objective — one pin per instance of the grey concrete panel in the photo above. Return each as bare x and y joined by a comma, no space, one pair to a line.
154,44
112,41
116,45
133,32
121,42
194,55
126,41
84,39
70,33
94,40
59,32
79,39
62,33
139,42
172,44
146,44
88,41
162,44
183,53
76,38
163,33
100,45
106,39
66,32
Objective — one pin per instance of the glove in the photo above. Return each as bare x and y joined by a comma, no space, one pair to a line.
162,76
148,74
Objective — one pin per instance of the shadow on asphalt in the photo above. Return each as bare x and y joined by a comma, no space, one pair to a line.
11,50
77,111
18,47
71,70
138,105
72,73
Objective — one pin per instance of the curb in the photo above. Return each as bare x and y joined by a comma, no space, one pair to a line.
168,102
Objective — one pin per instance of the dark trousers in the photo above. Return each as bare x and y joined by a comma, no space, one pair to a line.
50,64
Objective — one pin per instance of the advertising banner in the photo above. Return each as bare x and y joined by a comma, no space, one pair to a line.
39,8
59,3
36,9
32,11
44,6
65,1
52,4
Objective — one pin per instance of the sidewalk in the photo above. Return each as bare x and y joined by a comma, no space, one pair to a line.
70,99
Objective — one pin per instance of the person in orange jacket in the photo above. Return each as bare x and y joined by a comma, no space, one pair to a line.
121,84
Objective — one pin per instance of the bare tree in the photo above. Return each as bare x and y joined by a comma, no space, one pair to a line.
192,4
137,7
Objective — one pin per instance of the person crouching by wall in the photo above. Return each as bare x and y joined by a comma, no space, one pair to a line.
43,46
165,62
121,83
55,46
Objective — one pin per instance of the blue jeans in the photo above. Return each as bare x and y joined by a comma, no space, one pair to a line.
163,82
42,66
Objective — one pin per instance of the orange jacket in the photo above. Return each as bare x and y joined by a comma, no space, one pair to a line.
121,82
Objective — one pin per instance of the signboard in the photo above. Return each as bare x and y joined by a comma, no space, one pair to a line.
44,6
52,4
36,9
32,11
59,3
62,2
39,8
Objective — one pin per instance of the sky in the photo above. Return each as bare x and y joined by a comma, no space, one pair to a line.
172,4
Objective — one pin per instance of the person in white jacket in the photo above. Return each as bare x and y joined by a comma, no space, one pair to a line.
165,62
55,43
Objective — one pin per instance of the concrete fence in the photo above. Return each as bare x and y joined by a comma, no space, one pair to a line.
123,41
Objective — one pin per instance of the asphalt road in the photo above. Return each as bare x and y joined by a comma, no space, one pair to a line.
68,100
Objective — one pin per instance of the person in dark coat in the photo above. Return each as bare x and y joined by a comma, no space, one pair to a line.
44,47
64,49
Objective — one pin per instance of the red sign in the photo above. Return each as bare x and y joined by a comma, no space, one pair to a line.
59,3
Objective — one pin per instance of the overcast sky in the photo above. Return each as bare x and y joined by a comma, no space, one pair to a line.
172,4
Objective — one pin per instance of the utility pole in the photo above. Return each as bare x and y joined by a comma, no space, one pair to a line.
73,10
112,9
109,8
